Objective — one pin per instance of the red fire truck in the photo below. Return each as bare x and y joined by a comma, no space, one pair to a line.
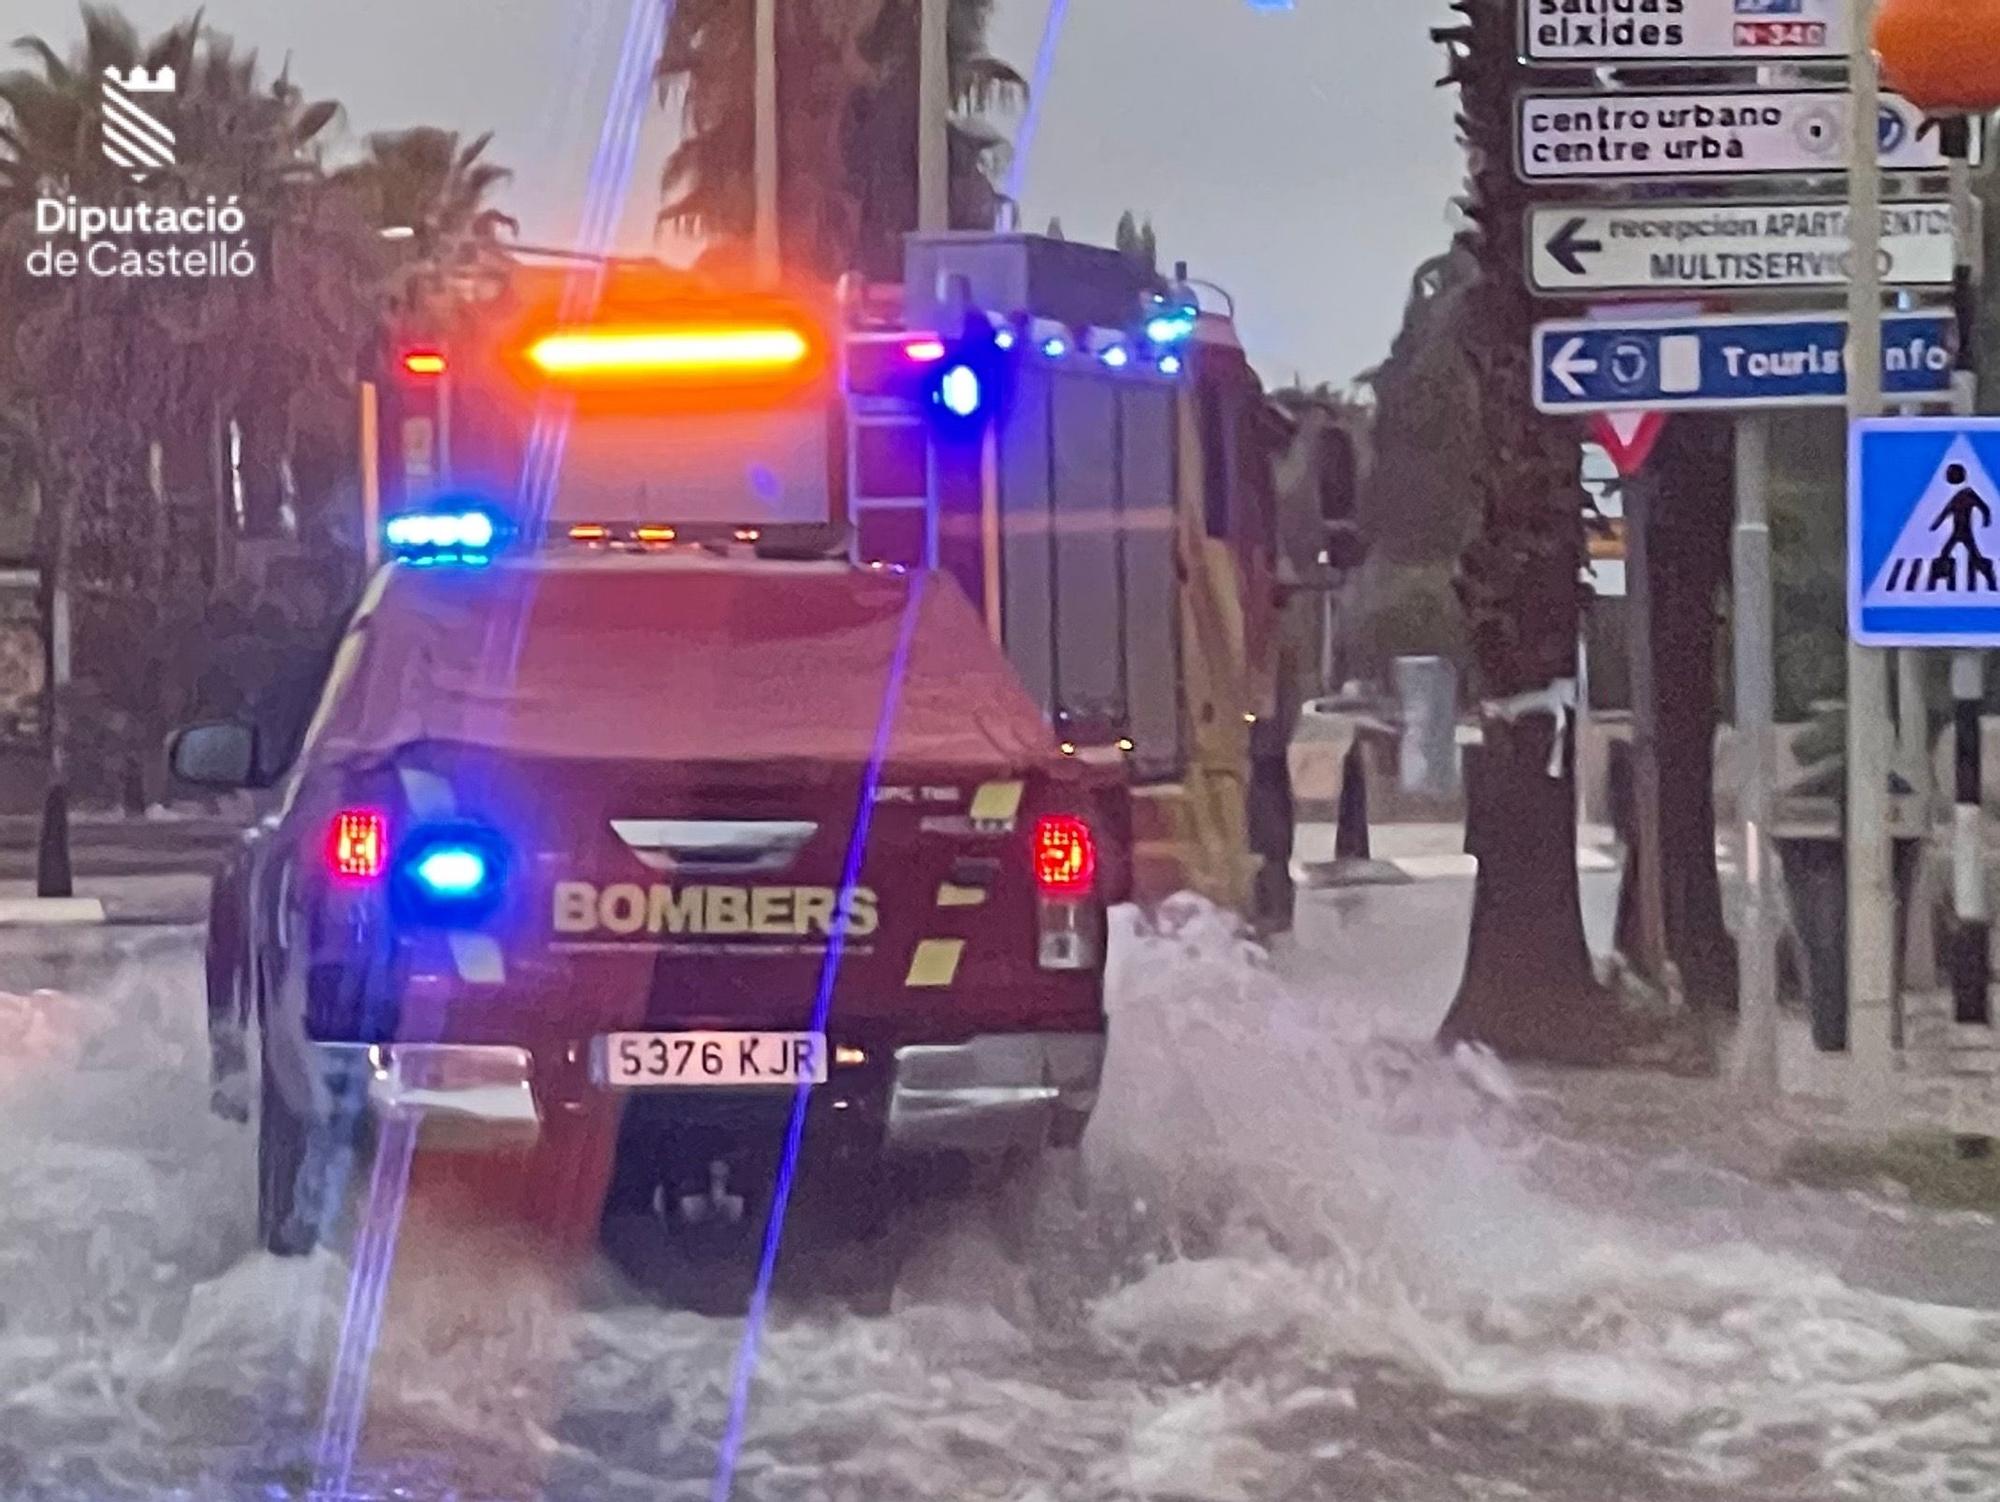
1082,448
769,696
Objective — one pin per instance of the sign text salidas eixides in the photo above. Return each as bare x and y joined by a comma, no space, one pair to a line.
1681,31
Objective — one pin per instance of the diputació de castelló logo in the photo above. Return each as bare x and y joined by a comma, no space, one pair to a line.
140,239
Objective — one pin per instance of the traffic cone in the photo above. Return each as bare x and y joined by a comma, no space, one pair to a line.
52,865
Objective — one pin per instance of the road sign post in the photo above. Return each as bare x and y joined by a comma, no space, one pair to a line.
1655,957
1756,696
1871,924
1972,938
1731,362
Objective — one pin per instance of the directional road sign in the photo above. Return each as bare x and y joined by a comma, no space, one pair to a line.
1725,362
1705,133
1681,31
1579,248
1923,530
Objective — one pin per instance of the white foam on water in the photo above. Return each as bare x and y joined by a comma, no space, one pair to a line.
1313,1257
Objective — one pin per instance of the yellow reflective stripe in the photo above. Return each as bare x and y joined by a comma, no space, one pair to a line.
935,963
996,803
956,896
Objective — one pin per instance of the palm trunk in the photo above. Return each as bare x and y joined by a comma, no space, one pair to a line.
1528,989
1527,964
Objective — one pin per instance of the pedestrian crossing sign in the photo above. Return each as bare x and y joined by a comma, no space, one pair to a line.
1923,532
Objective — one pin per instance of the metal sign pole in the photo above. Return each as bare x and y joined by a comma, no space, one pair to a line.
933,118
1641,492
1871,928
1971,948
764,148
1756,693
371,478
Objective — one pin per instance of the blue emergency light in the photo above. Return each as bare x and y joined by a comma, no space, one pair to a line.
960,391
1170,323
451,875
966,380
445,534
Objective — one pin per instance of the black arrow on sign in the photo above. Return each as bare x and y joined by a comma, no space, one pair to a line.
1569,250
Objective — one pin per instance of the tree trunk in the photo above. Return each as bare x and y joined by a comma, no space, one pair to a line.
1689,562
1529,990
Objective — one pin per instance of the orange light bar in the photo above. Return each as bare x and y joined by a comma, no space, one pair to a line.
424,362
654,534
634,351
588,532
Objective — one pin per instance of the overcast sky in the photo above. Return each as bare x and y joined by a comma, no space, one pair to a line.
1301,158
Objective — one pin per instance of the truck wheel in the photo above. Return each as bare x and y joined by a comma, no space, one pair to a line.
281,1153
307,1168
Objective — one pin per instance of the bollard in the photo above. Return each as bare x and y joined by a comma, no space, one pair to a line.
1427,759
1350,834
52,865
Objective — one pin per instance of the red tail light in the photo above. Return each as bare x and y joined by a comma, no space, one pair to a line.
423,362
1065,856
357,844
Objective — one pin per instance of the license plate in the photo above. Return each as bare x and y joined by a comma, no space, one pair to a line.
631,1061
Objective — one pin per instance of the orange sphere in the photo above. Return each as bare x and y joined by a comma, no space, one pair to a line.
1941,55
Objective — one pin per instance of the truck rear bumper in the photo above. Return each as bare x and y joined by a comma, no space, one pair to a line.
994,1092
982,1096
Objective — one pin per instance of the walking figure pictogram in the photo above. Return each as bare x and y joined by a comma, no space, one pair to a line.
1964,504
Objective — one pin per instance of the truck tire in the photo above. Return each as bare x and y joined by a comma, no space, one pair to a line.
297,1208
281,1153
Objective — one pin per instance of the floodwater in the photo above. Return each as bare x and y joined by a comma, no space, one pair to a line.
1300,1255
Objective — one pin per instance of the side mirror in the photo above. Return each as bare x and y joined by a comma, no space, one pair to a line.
217,754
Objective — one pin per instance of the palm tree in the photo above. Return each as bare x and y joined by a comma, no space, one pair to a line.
846,195
708,64
880,145
432,192
1528,988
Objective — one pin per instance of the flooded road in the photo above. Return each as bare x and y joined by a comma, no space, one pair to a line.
1300,1256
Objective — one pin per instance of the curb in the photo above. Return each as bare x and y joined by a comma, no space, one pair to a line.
42,912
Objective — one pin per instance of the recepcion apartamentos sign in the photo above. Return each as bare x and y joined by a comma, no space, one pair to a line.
1574,249
1681,31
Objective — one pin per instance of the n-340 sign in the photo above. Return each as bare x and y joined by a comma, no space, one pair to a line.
1579,248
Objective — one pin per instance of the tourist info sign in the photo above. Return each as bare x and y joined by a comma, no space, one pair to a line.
1726,362
1923,530
1669,247
1681,31
1561,137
